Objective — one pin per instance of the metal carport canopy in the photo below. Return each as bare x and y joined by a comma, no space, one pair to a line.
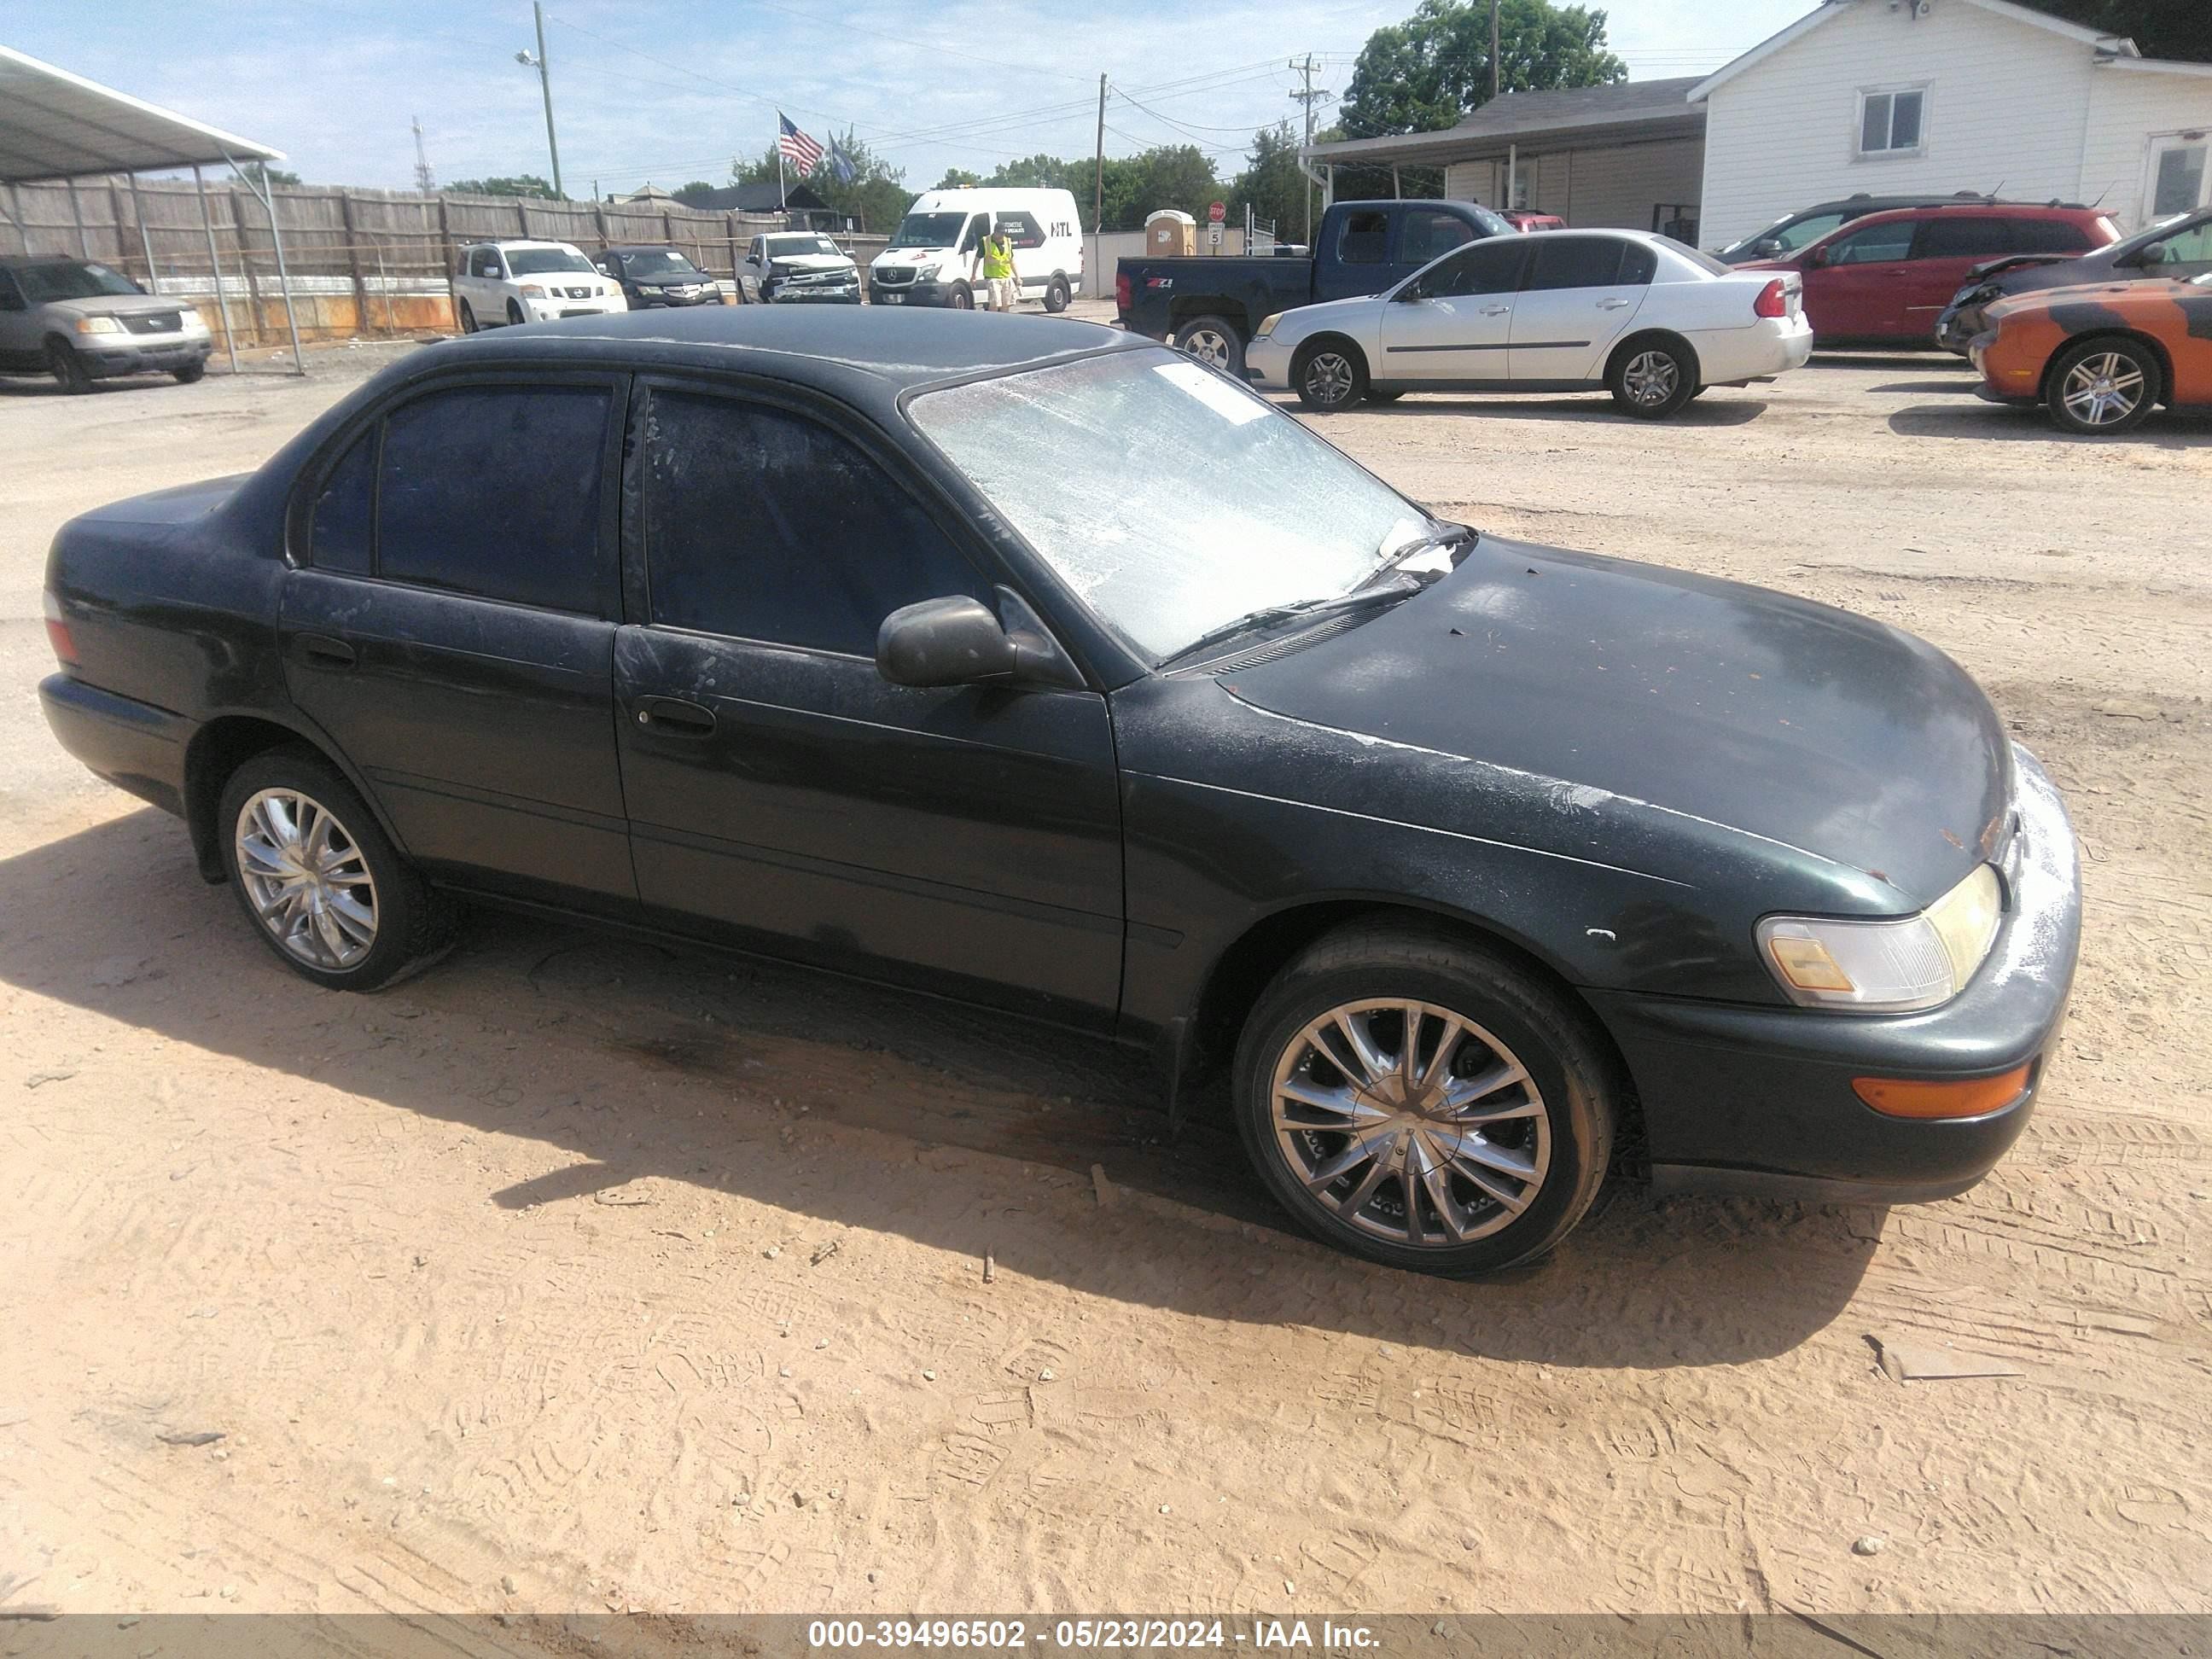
57,125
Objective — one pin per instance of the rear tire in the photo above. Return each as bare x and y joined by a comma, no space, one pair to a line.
1328,374
2101,387
1214,340
1499,1130
1056,296
190,373
320,883
1653,377
67,367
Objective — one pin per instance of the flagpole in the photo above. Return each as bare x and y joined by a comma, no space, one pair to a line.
782,191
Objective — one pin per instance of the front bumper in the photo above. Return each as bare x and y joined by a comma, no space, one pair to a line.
1267,364
801,294
911,293
1757,1100
131,745
655,300
552,310
105,354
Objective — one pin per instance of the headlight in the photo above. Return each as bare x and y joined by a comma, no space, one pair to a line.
533,291
189,318
1267,324
98,325
1887,967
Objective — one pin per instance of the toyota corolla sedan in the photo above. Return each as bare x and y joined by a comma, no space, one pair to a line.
1643,316
1029,664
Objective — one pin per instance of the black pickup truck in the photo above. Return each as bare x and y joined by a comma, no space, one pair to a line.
1210,307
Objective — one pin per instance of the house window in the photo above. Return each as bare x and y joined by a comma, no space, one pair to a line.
1890,123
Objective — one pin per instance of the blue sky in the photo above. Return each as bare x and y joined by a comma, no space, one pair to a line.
669,92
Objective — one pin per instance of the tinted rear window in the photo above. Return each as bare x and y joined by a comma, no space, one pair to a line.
345,513
2048,236
1949,236
495,491
1563,261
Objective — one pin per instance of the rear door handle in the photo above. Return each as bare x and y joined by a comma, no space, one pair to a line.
324,651
1496,311
1612,305
675,717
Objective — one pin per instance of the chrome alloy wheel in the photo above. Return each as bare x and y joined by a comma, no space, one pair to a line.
1411,1122
1209,345
1329,378
1651,378
2102,389
307,878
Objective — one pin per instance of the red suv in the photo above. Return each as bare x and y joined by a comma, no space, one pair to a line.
1885,279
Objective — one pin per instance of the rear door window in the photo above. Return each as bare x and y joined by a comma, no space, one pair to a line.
1962,236
1364,238
495,491
764,525
1573,261
2048,236
342,533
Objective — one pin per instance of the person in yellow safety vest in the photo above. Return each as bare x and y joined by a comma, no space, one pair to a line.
999,268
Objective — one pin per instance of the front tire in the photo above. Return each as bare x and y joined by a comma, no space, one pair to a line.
2100,387
1652,378
190,373
469,325
961,297
1056,296
1214,340
513,314
1328,375
320,883
1479,1146
67,367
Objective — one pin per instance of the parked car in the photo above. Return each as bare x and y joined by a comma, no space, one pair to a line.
1062,674
1885,279
518,281
1793,231
2101,356
1651,320
787,266
651,275
81,321
931,257
1522,219
1210,308
2178,246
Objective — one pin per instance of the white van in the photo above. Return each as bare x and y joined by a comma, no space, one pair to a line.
932,260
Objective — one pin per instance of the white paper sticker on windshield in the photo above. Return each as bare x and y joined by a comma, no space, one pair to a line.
1221,399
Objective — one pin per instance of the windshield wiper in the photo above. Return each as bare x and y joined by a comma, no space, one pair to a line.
1268,614
1443,536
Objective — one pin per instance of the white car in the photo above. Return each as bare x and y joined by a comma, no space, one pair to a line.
1643,316
501,282
789,266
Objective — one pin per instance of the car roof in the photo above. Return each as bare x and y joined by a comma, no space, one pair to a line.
643,247
22,261
1975,209
518,241
867,355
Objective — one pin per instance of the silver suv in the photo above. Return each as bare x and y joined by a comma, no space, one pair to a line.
80,321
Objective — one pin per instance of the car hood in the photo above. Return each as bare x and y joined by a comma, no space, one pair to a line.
674,279
911,256
117,305
1611,684
1338,313
813,262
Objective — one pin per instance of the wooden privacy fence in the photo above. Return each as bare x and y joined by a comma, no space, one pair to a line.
362,262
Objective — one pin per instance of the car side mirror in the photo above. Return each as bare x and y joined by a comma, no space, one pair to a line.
1767,247
1817,257
948,641
12,302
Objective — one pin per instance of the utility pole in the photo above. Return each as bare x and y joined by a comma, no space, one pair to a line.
1493,48
1309,98
1099,182
425,180
544,85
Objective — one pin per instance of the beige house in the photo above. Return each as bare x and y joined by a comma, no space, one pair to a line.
1629,156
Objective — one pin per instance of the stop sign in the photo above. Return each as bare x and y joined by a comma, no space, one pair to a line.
1218,212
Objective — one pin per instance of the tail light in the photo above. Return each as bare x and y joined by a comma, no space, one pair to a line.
1773,299
1121,291
57,634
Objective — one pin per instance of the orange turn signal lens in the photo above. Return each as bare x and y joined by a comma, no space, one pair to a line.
1897,1097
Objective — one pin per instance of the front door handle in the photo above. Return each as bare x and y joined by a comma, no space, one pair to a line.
324,651
1496,311
675,717
1612,305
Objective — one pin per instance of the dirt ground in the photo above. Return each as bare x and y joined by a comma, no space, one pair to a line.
577,1274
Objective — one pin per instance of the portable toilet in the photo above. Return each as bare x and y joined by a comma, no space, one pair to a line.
1170,232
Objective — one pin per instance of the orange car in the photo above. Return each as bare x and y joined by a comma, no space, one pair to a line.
2101,356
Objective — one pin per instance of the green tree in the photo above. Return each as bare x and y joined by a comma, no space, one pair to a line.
694,193
1166,176
956,177
527,184
1271,184
2162,28
1425,72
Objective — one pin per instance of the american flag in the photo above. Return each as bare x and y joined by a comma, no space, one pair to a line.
797,149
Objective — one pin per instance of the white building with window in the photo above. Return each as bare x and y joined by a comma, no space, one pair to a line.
1904,97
